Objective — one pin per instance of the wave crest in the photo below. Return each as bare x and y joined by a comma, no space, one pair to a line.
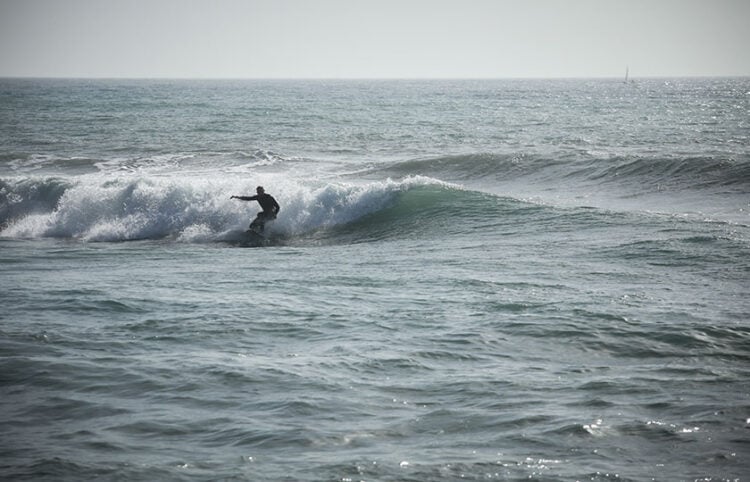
674,173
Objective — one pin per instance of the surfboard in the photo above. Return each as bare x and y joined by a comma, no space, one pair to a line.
254,238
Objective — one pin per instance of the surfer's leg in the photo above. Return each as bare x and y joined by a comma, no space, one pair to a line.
258,223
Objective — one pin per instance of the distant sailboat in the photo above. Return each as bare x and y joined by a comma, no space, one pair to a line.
627,72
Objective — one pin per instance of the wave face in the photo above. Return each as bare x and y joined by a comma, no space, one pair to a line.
199,210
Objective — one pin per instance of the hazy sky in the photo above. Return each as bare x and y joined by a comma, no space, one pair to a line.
373,38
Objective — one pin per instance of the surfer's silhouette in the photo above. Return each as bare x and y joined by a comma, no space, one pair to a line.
267,203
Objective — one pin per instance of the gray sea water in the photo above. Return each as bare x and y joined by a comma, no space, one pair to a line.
467,280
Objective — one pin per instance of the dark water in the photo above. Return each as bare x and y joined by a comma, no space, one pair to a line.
468,280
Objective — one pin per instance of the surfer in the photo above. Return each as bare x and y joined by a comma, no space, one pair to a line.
267,203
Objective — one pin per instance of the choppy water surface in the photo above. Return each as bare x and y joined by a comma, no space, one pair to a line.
470,280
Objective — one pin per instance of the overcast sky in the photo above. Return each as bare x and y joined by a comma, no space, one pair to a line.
373,38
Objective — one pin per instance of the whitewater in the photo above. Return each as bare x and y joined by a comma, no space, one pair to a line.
467,280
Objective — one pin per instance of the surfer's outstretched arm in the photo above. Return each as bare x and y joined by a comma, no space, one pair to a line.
245,198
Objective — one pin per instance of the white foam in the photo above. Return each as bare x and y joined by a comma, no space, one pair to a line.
199,208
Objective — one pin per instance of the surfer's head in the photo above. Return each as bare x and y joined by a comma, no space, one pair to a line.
260,190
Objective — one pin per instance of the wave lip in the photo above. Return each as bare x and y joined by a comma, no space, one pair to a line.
472,166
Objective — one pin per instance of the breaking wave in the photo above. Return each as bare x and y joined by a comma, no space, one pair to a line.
196,209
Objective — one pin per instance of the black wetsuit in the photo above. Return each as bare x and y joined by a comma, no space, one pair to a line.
268,204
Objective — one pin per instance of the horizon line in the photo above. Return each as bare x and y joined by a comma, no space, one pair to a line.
405,78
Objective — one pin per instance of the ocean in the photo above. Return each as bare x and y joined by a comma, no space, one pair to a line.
467,280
